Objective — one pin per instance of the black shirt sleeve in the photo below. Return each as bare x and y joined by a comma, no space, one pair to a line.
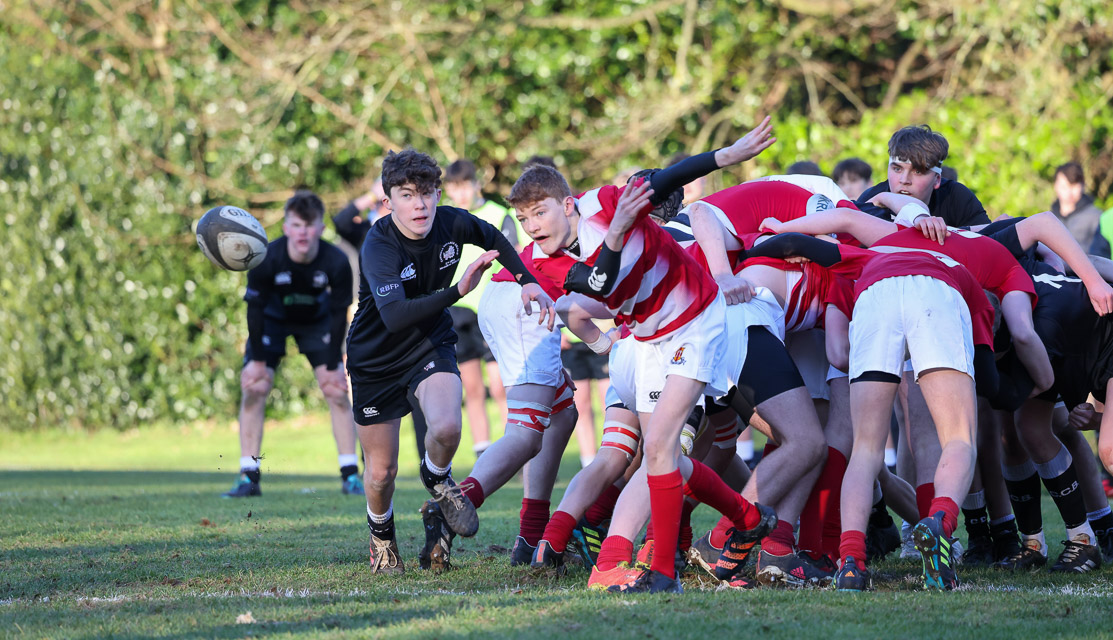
347,228
666,181
471,230
785,245
380,261
597,279
874,210
340,296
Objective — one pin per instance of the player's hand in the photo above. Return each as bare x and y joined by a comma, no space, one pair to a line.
473,275
1084,417
333,382
771,224
933,228
735,289
256,377
882,200
757,140
1101,296
533,292
634,200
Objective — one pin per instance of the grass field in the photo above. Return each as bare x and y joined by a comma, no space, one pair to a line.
124,535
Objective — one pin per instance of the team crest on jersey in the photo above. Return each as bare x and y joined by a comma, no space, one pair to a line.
282,278
429,366
450,254
320,280
678,357
408,273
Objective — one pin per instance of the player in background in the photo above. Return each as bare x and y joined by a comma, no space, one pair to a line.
915,168
461,185
301,289
854,176
402,340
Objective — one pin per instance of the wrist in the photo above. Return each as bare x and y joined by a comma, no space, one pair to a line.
602,344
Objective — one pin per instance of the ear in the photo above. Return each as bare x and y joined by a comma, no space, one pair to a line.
569,205
386,203
938,180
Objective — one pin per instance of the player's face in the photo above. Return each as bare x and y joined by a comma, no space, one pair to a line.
303,238
462,193
854,187
912,182
412,210
548,223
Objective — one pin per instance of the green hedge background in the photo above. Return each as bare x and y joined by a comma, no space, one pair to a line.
122,122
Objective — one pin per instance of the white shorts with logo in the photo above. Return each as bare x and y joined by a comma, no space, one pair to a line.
916,317
526,352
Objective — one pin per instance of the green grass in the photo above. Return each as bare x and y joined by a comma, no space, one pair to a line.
111,535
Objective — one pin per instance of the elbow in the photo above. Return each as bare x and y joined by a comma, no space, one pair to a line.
563,308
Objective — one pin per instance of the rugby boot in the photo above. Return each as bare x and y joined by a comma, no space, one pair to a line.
437,552
852,578
979,552
456,507
704,554
621,574
650,582
790,570
244,488
1080,555
733,558
881,541
936,551
1006,541
1030,556
907,546
644,558
546,558
352,486
522,553
385,557
588,539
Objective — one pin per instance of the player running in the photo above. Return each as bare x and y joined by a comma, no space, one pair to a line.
401,340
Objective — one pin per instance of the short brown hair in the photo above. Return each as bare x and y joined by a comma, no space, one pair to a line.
411,167
924,148
1072,171
852,168
460,171
538,183
305,205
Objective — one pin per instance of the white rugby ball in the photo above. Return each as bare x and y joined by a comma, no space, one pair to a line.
232,238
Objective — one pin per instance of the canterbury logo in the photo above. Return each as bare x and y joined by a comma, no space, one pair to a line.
596,280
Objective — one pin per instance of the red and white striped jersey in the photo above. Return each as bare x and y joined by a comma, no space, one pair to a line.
660,288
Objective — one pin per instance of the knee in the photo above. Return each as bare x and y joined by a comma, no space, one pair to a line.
1105,452
445,431
526,441
257,393
380,478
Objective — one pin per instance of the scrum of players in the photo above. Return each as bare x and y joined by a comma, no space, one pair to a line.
783,304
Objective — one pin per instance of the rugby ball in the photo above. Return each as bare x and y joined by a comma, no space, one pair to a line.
232,238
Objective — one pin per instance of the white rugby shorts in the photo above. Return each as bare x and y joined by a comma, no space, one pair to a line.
915,317
526,352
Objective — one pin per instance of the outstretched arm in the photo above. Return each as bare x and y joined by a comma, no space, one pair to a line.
576,311
1046,228
1016,307
866,228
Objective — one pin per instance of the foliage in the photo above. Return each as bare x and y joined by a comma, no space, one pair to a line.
122,122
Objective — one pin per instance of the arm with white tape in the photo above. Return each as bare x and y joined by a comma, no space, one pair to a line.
578,311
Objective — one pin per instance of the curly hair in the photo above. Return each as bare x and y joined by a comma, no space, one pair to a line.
411,167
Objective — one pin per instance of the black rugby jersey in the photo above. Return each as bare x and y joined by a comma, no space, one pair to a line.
406,287
1077,339
298,294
